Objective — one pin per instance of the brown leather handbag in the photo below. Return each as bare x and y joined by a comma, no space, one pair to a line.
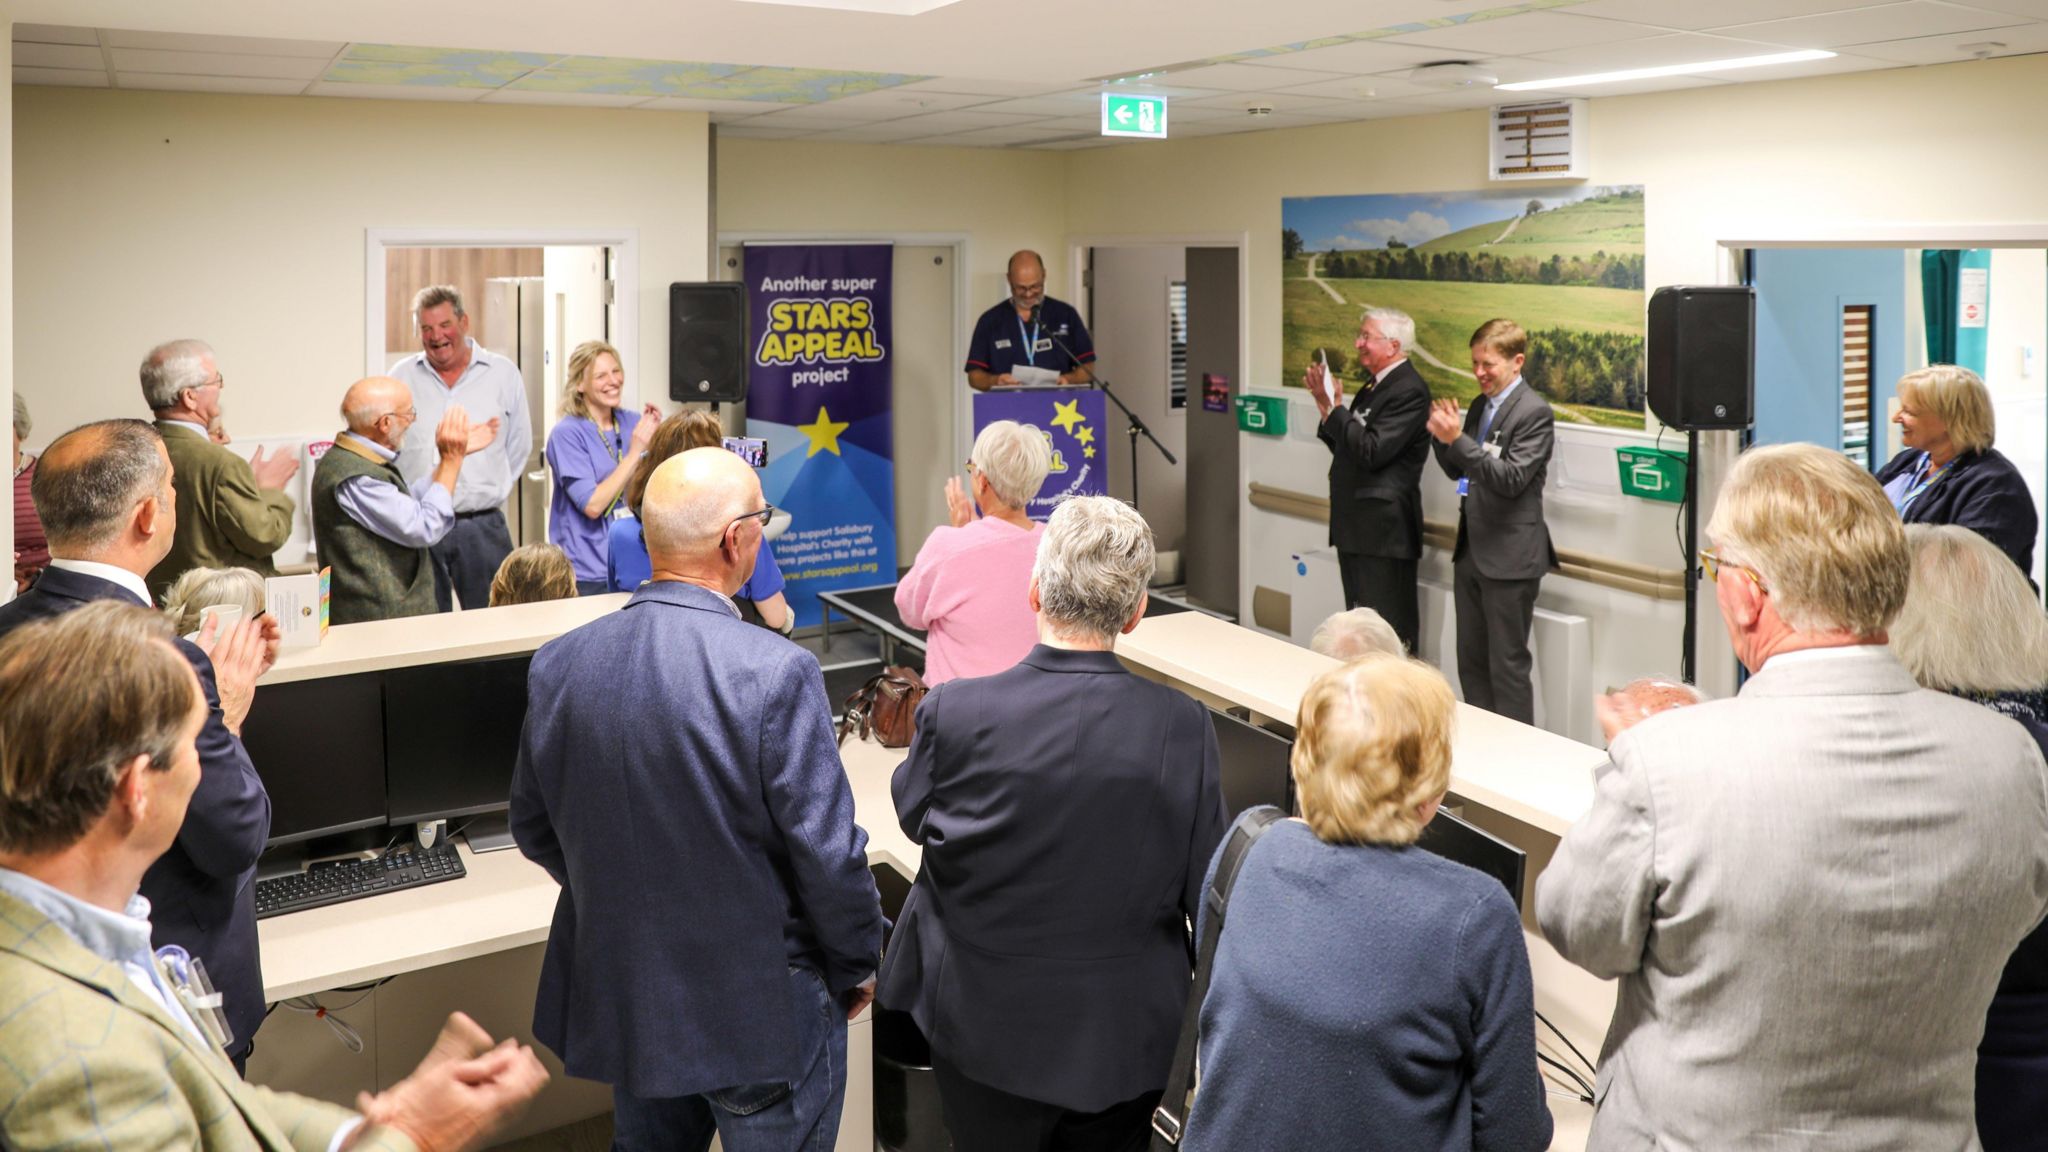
885,707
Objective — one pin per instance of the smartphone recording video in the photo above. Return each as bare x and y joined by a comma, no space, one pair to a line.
752,449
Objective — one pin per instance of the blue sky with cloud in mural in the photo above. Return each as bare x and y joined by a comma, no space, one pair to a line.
1344,222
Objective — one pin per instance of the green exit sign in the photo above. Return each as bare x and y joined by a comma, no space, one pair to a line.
1143,116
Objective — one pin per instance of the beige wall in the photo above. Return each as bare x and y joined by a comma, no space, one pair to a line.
239,219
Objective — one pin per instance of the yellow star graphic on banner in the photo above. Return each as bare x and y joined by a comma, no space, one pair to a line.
1086,435
1068,414
1088,452
824,434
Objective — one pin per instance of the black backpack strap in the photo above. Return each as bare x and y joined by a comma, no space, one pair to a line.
1172,1112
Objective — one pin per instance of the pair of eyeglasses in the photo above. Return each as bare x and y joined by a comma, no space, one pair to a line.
763,516
971,467
219,380
1711,563
409,415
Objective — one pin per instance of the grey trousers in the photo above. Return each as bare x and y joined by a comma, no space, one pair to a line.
1493,640
467,558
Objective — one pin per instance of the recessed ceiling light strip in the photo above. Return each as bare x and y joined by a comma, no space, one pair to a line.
1666,70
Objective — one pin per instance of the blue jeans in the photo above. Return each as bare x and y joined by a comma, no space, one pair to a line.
774,1117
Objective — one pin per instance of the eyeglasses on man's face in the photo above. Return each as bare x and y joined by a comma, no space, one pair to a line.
767,511
1711,563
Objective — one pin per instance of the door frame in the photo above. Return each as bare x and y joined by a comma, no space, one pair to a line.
626,291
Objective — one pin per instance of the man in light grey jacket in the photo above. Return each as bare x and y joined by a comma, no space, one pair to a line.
1808,891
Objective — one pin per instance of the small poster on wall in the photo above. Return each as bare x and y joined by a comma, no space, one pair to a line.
1565,264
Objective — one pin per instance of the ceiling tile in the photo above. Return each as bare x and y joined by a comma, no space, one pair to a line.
715,107
1289,101
891,132
564,99
397,92
54,34
1653,52
1243,77
808,119
616,76
59,56
234,45
1373,110
942,122
2016,41
2037,9
1003,136
744,132
1693,15
61,77
217,64
898,102
1870,25
1074,103
984,86
1074,145
242,85
1625,88
1526,32
1392,86
1357,57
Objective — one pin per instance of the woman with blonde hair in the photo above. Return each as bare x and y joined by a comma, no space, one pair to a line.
592,451
1972,627
627,567
533,573
202,588
1948,472
1366,992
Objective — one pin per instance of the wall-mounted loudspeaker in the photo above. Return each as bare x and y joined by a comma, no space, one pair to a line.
707,342
1702,357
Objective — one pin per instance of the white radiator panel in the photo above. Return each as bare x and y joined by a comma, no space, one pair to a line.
1562,649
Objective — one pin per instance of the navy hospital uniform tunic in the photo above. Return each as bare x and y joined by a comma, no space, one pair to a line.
1003,339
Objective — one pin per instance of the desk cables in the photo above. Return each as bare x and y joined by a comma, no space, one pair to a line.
1568,1077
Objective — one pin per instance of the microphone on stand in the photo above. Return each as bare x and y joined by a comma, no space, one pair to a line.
1034,313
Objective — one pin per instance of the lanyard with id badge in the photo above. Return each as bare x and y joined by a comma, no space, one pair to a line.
1490,447
617,510
184,976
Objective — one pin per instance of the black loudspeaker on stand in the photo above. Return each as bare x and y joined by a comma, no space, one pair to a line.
707,342
1702,376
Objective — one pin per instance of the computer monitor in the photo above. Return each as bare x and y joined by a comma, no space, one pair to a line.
451,735
1255,767
319,747
1456,839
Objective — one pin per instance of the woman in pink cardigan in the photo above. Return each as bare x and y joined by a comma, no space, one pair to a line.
968,586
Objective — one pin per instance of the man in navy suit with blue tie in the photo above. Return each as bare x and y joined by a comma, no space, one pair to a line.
678,777
104,494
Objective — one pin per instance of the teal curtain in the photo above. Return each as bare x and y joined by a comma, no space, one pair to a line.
1941,273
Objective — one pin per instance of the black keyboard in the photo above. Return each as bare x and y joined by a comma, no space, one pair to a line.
325,884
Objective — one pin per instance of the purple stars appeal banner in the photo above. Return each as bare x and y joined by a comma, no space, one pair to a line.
819,391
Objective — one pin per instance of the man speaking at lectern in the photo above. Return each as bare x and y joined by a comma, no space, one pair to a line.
1029,330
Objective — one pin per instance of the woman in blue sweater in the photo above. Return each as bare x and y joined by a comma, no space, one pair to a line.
1367,993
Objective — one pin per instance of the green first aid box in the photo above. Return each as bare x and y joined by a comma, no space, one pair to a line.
1265,415
1652,473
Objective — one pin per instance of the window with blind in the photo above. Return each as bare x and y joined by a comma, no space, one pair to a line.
1177,343
1855,358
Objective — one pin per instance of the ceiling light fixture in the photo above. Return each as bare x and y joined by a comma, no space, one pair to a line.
1451,74
1667,70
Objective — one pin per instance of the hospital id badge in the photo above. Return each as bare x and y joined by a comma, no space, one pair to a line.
1491,449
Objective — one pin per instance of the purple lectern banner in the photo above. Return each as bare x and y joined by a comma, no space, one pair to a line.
1071,420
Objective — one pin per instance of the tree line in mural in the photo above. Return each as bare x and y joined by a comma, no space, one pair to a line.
1574,366
1397,261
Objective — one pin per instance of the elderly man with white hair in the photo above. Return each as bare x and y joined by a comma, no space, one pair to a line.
1067,810
1807,892
967,586
232,513
673,735
1359,632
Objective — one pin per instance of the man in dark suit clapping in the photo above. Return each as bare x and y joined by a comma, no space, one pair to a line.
678,777
1498,456
1068,810
1377,446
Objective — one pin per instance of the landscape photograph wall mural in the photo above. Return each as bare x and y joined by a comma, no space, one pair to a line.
1565,264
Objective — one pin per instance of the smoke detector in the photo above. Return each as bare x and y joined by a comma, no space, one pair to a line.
1453,74
1984,50
1256,110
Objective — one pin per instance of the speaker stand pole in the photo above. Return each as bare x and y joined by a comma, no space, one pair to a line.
1688,670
